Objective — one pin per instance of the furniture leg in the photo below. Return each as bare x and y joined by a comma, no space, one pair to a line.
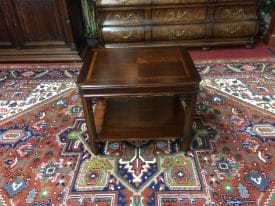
90,123
186,140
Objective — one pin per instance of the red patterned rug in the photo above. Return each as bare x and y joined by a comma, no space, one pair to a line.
43,160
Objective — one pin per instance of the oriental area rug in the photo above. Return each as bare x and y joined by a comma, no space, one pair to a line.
43,160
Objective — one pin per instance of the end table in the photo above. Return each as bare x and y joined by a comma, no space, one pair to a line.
139,94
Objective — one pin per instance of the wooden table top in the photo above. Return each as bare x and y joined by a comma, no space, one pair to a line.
138,66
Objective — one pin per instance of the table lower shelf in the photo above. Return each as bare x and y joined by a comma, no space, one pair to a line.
139,118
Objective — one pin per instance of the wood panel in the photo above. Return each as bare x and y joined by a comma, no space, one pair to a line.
40,21
5,37
40,30
151,118
10,26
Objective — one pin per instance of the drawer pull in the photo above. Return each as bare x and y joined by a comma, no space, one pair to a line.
177,35
129,36
179,14
127,18
232,30
234,12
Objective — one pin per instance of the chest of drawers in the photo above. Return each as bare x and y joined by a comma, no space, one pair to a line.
191,23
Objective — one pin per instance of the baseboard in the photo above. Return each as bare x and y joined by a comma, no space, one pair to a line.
39,55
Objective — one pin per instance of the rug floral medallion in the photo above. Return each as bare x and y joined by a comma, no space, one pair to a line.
46,159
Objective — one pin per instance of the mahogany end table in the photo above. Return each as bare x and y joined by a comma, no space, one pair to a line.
135,94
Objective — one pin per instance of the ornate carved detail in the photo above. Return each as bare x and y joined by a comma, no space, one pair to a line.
179,32
125,17
179,13
229,29
127,36
233,12
173,35
235,29
232,29
121,17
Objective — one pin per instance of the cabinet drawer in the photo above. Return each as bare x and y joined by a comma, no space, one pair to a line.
238,29
110,3
122,34
159,2
179,14
235,12
109,18
178,32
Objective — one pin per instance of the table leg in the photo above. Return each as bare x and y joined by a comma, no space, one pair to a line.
90,123
187,138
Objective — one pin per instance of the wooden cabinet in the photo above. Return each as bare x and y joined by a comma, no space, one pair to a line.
173,22
40,30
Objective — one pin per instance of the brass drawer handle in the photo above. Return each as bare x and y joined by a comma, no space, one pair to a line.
234,12
177,35
129,36
179,14
127,18
233,30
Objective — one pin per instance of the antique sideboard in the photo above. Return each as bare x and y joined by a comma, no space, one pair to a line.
192,23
